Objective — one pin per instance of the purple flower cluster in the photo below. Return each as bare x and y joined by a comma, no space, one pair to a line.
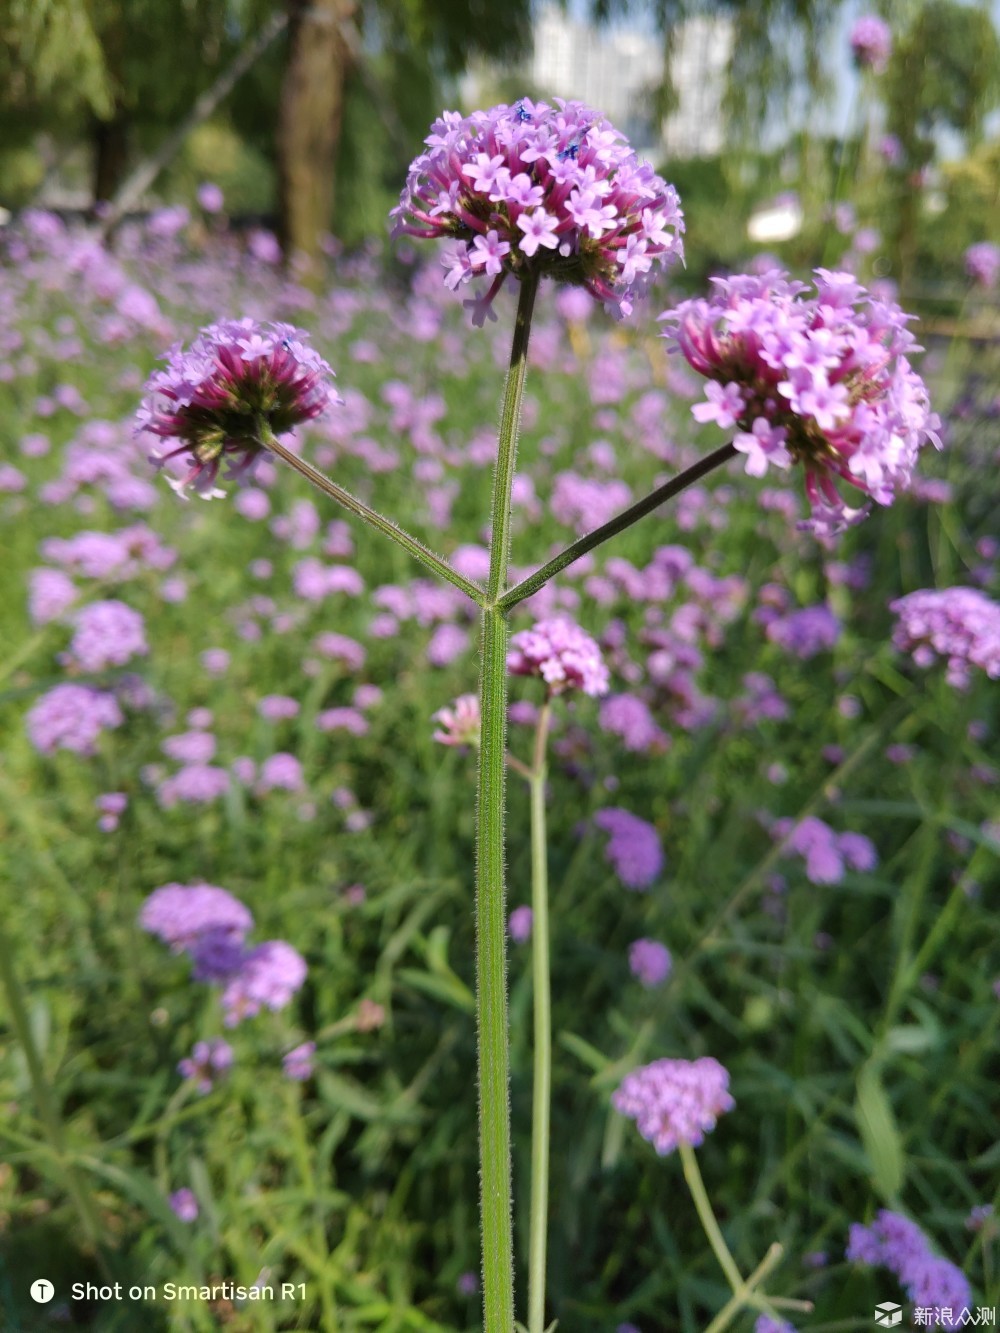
675,1101
213,397
961,625
819,380
460,724
827,854
107,634
551,190
805,633
649,962
982,263
634,849
765,1324
896,1243
561,654
210,925
207,1061
871,43
71,717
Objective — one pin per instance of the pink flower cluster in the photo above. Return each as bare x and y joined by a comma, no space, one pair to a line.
982,263
961,625
820,380
561,654
536,188
213,397
827,854
871,43
675,1101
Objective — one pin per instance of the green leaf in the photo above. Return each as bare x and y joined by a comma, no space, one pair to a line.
879,1134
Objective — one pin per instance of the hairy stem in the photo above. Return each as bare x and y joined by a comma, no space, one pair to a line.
615,525
491,939
268,440
542,1083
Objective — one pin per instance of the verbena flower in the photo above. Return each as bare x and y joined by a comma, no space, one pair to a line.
107,634
298,1063
820,380
267,978
896,1243
533,188
650,962
184,915
871,43
982,263
207,1061
633,848
560,653
460,724
520,922
184,1205
675,1101
765,1324
210,398
960,625
71,717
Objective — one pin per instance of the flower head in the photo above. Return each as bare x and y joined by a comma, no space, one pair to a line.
562,655
460,724
72,717
185,916
675,1101
894,1242
820,380
298,1062
267,978
650,962
184,1205
212,398
871,43
633,849
961,625
208,1059
982,263
554,190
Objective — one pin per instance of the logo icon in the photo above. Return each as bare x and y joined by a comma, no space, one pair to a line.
888,1314
42,1290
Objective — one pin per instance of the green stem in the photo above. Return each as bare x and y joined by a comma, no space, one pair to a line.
491,938
48,1112
720,1249
615,525
542,1085
747,1290
268,440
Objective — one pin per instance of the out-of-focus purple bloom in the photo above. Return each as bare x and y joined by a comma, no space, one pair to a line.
215,661
212,397
675,1101
519,924
826,852
982,263
207,1061
339,648
765,1324
890,149
278,707
210,197
267,978
299,1063
71,717
446,644
460,724
650,962
342,719
896,1243
112,805
551,190
961,625
280,772
184,1205
561,654
50,592
194,784
184,915
107,634
190,747
467,1284
628,716
633,848
814,629
823,380
871,43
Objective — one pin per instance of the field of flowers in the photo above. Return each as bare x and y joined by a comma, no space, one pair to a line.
774,840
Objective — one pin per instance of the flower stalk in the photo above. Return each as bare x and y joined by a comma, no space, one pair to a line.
491,940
